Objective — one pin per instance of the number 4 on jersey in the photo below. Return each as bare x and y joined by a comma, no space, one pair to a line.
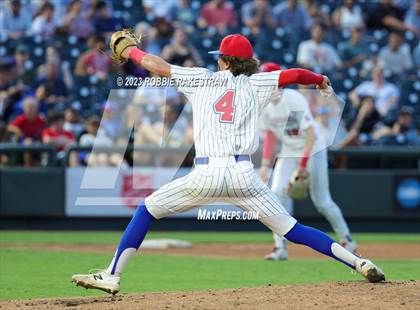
225,108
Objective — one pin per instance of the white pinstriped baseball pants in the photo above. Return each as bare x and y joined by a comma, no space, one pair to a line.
222,180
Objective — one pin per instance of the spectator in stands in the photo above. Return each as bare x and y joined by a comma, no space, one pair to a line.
154,98
388,16
184,14
153,101
57,136
102,19
258,15
403,4
386,94
364,125
4,138
76,22
330,125
28,126
180,50
354,52
44,23
402,132
412,17
133,118
396,55
24,69
316,54
164,31
159,8
95,136
148,38
219,14
317,14
52,54
51,89
94,61
11,89
72,122
177,130
369,65
292,17
416,54
111,122
15,21
348,16
173,131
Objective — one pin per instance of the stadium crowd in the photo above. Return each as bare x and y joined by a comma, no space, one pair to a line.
55,74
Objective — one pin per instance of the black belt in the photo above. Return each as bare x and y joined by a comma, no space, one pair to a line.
205,160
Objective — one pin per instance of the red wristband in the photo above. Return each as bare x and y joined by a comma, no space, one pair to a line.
136,54
304,160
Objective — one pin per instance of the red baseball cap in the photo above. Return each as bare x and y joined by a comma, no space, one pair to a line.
269,66
235,45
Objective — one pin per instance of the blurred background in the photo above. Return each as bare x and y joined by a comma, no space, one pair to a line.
56,77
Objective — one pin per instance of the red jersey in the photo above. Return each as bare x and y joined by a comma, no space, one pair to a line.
97,62
31,128
222,15
48,132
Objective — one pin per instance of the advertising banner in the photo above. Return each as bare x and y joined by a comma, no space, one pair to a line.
113,192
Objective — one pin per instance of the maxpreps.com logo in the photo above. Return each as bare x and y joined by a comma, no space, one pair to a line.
408,193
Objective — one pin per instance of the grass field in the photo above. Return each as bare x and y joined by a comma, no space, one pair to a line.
36,237
26,273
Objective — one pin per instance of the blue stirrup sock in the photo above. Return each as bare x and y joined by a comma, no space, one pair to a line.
132,238
320,242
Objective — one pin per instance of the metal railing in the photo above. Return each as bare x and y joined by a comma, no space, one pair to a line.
378,151
157,153
381,152
352,152
15,150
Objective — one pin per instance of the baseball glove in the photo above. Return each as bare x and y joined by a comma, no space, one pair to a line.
327,92
120,40
298,187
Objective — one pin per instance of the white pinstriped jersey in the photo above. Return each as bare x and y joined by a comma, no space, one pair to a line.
225,115
288,117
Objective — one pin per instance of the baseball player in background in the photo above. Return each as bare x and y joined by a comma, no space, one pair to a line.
303,155
225,121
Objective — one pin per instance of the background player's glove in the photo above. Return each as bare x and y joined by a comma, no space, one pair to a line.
326,92
298,187
325,87
120,40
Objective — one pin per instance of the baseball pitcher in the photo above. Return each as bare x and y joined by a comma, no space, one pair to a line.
288,118
225,120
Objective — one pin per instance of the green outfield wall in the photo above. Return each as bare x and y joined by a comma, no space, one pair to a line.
387,199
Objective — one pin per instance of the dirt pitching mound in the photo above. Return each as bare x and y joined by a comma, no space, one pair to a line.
348,295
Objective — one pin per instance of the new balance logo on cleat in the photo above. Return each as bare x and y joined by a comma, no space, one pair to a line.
102,281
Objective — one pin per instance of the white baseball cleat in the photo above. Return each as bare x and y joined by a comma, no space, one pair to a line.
277,254
369,270
102,281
